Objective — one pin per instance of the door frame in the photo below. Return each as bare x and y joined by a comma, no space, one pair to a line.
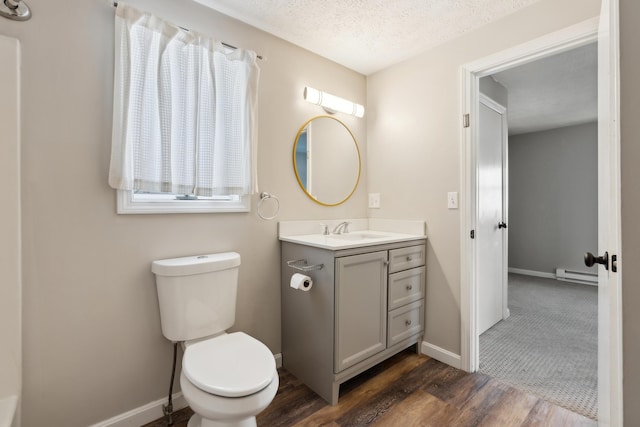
609,394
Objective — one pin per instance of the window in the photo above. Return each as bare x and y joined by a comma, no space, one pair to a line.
183,119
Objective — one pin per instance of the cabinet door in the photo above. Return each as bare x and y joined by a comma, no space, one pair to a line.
361,307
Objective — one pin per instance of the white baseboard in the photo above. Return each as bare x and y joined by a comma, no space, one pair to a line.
144,414
441,354
582,277
532,273
8,410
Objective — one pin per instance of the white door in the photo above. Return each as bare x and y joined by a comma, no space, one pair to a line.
491,225
609,283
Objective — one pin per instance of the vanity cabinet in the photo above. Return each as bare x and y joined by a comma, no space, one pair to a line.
366,304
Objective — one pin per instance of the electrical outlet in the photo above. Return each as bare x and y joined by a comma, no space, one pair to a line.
452,200
374,200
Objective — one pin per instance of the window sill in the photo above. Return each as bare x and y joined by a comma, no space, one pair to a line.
126,205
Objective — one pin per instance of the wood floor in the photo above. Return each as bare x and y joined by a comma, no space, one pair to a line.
409,390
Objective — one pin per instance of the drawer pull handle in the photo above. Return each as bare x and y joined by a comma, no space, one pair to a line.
409,287
409,259
407,322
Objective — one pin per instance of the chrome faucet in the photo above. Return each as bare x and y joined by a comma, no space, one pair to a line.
342,228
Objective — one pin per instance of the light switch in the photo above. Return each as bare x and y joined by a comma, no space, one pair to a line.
452,200
374,200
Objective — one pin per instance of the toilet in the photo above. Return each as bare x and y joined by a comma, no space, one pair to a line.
227,378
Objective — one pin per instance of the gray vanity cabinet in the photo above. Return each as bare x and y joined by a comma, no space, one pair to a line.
361,306
366,304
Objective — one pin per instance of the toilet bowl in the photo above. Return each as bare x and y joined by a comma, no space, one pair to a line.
228,380
224,411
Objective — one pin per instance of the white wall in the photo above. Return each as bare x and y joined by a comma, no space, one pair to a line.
553,202
413,133
93,347
10,280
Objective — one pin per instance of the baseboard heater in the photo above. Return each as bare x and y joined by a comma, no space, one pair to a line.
576,276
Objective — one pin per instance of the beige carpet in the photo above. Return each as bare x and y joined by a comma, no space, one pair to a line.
549,344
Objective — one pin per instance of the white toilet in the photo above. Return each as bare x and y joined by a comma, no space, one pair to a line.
227,379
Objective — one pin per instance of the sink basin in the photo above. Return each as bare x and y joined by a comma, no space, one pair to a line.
359,236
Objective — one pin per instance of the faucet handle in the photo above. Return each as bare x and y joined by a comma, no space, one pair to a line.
325,229
346,227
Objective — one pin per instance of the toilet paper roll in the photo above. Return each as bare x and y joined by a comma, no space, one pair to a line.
301,282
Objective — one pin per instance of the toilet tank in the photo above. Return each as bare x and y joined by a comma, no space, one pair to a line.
197,294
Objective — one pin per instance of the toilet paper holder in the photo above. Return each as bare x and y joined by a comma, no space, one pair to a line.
302,265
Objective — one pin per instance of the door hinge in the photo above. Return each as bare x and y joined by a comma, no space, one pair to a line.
465,120
472,234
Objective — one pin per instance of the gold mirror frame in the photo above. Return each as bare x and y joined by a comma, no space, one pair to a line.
295,167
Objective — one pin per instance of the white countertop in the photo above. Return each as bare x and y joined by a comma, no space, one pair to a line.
355,239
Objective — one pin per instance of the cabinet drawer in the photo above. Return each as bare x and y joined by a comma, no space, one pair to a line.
406,258
405,322
406,286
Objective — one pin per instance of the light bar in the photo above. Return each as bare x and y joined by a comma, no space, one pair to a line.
331,103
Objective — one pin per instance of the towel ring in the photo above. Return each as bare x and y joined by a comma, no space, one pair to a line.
265,196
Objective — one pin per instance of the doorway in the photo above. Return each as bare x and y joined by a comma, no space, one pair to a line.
549,346
609,302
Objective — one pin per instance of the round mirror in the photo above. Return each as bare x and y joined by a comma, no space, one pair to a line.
326,160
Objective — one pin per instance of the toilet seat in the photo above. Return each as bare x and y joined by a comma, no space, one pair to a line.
230,365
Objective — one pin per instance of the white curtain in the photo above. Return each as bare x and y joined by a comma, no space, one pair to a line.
184,110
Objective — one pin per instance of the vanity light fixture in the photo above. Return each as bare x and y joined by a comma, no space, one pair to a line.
331,103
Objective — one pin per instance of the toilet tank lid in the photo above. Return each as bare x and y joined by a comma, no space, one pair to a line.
196,264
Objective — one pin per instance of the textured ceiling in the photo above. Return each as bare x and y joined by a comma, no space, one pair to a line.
557,91
367,35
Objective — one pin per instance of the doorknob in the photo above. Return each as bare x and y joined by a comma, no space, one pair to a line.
590,260
502,224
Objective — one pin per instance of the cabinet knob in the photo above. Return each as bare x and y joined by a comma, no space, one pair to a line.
409,287
409,259
407,322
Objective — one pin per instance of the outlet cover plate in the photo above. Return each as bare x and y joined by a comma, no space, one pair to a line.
374,200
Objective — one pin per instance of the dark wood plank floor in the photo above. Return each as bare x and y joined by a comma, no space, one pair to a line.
409,390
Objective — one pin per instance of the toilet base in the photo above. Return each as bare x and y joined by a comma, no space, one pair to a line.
197,421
